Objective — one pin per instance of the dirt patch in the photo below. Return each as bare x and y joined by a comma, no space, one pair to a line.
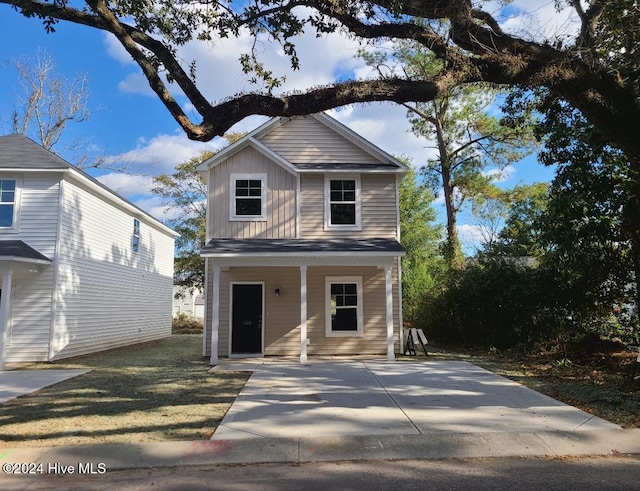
158,391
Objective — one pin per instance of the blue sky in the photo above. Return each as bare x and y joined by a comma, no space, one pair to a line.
129,123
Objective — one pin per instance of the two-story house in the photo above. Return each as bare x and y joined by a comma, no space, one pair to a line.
303,252
82,269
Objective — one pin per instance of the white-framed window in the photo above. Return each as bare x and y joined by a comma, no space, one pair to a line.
342,202
9,199
248,197
344,312
135,238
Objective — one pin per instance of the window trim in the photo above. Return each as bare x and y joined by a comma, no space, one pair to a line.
15,222
332,280
233,216
327,202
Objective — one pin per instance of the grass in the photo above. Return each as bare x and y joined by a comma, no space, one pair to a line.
157,391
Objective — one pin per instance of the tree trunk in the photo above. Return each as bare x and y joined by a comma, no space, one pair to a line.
453,253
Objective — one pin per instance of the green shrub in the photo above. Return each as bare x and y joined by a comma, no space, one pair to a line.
492,303
185,324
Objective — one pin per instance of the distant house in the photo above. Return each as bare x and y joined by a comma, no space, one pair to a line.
188,302
82,268
303,252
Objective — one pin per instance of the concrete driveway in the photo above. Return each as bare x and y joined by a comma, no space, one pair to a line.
397,398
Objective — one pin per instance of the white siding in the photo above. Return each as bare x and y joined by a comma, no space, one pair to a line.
108,296
33,292
307,141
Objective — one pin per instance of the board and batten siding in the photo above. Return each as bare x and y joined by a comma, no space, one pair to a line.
305,140
30,317
108,296
282,315
378,205
281,198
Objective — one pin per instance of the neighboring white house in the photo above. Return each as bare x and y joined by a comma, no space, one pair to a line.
188,302
302,252
82,269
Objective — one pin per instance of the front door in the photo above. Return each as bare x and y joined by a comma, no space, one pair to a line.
246,319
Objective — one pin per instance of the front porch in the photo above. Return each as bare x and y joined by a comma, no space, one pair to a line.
324,304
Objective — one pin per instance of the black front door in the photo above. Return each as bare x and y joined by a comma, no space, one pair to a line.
246,319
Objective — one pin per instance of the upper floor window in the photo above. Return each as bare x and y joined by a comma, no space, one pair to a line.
248,197
8,194
135,239
342,203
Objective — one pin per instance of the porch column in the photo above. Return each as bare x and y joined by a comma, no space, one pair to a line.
303,314
5,302
215,315
389,295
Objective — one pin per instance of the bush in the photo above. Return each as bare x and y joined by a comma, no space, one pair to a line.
499,303
185,324
492,303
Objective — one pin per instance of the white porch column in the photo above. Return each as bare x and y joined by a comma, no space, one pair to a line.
5,303
389,294
303,314
215,315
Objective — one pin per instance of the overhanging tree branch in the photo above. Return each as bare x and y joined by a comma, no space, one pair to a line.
476,49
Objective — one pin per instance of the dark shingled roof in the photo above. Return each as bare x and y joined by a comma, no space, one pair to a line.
19,152
297,247
17,248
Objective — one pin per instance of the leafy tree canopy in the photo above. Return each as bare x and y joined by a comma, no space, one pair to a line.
595,70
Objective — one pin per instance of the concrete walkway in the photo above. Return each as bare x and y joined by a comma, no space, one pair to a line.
290,400
16,383
329,449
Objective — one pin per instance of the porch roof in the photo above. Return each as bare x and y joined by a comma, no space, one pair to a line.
17,250
302,247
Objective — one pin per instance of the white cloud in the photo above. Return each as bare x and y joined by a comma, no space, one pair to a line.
127,185
502,174
155,207
136,83
116,51
539,20
164,152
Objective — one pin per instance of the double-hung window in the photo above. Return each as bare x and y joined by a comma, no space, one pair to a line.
135,239
344,313
342,202
8,203
248,197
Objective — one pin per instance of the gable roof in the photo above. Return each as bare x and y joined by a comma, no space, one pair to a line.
21,154
377,160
